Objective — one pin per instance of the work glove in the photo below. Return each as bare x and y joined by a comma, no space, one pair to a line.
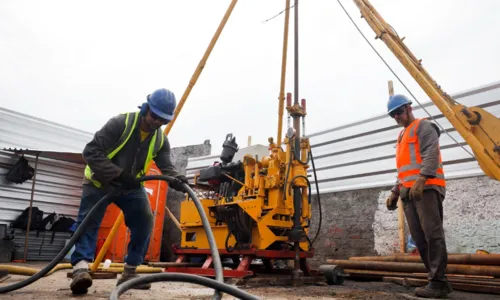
128,181
392,201
176,184
417,189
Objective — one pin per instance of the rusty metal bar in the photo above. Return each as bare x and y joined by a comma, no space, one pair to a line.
174,264
466,287
31,206
353,273
459,259
415,267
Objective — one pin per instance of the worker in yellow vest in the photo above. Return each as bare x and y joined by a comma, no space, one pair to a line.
421,186
119,153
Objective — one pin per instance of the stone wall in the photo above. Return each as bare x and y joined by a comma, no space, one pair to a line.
357,223
347,224
171,235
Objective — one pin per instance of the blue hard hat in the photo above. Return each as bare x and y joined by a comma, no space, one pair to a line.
397,101
162,103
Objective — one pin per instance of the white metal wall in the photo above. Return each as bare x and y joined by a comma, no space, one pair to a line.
58,183
362,154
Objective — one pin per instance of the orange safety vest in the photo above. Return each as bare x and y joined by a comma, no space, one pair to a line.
409,161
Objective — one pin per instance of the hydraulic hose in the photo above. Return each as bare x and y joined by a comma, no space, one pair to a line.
180,277
296,155
219,276
317,195
104,201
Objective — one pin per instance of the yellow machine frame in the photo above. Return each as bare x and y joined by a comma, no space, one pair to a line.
262,197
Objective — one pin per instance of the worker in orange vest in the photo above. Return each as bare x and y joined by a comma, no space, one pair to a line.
421,186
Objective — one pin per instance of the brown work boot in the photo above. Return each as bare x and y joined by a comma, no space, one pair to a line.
434,290
81,281
127,276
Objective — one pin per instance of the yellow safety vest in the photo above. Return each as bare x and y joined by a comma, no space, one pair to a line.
130,124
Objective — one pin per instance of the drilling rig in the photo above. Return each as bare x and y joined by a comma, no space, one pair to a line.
258,207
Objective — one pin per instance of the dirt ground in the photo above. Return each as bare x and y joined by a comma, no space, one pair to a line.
56,286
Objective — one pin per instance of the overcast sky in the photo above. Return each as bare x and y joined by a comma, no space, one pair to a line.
94,59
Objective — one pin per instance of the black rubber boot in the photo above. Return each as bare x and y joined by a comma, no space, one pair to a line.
434,290
81,281
127,276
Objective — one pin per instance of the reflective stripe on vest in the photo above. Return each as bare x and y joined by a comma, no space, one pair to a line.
130,124
409,160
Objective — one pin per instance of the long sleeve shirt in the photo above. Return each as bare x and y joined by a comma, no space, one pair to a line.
130,158
428,135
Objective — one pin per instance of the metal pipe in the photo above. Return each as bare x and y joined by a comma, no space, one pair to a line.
415,267
459,286
152,237
174,264
459,259
303,105
353,273
192,82
283,74
31,207
173,218
108,242
401,214
145,270
17,270
297,195
288,103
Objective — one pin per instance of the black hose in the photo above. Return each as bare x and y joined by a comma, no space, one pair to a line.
219,276
298,158
104,201
317,195
181,277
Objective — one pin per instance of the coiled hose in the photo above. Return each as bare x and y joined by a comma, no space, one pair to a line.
217,284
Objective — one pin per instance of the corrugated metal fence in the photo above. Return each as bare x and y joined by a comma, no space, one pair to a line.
58,183
362,154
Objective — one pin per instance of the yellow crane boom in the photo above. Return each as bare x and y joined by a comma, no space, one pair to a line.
479,128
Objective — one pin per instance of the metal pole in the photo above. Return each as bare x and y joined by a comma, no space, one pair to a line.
401,214
30,210
297,194
283,74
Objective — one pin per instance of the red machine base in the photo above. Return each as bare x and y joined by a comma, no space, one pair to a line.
240,268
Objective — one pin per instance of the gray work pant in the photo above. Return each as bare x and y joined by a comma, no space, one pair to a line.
425,220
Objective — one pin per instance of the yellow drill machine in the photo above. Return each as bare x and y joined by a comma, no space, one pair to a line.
258,208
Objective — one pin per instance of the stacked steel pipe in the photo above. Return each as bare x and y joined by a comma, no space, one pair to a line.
466,272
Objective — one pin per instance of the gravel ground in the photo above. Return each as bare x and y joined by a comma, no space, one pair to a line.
56,286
